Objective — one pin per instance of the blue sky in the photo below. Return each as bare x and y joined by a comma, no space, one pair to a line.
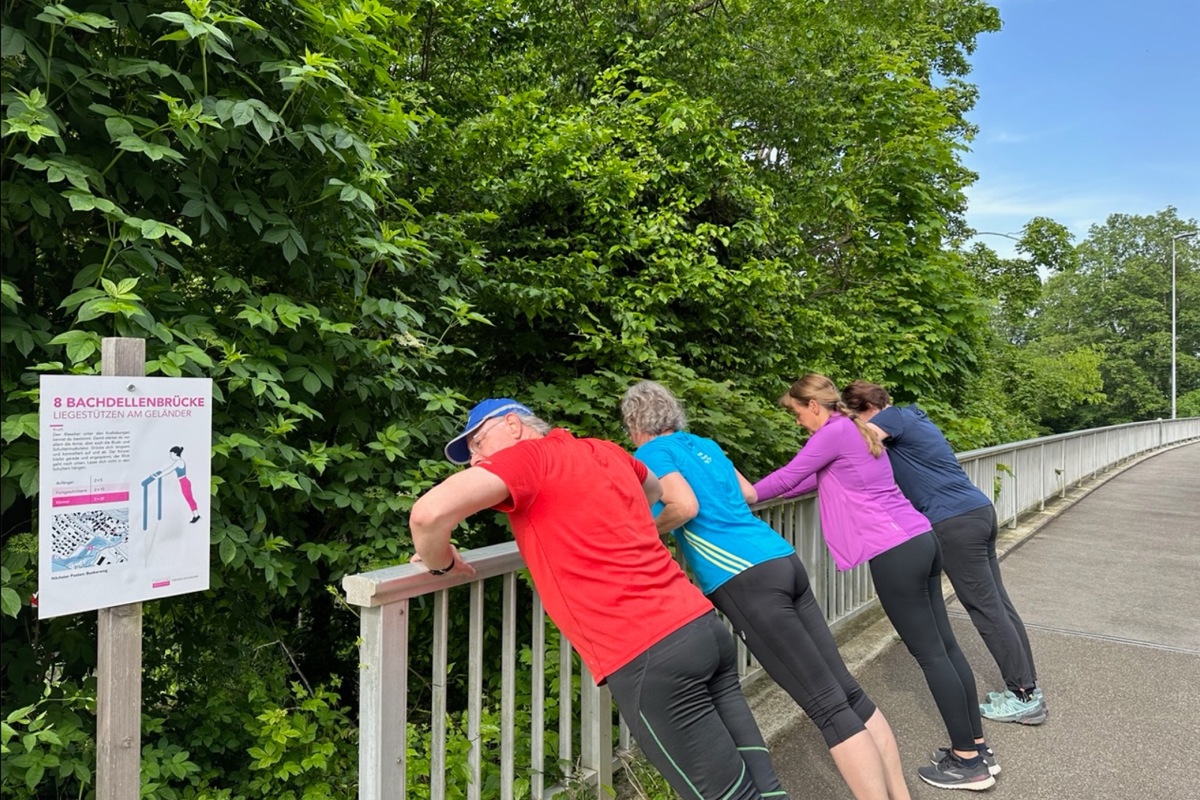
1086,108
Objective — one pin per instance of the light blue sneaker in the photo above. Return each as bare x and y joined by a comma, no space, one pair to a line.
1008,708
995,697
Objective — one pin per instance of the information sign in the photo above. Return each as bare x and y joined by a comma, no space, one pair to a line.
125,484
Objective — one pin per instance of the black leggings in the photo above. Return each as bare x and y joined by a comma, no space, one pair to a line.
969,550
773,609
908,580
684,704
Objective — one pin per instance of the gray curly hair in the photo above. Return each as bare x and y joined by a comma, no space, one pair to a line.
649,407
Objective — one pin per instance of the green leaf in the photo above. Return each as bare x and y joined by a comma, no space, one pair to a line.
12,42
86,201
243,113
228,551
10,602
264,127
33,776
118,127
312,384
14,427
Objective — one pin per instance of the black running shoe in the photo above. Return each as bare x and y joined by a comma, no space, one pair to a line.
989,758
951,773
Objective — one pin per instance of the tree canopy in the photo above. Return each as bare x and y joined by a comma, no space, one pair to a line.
1114,297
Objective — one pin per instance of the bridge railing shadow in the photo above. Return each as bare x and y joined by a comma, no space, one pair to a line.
541,725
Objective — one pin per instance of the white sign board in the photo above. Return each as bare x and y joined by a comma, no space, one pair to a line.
126,473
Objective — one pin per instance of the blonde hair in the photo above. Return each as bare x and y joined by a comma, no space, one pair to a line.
817,387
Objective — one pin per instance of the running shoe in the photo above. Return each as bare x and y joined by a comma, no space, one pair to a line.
951,773
989,758
995,697
1012,709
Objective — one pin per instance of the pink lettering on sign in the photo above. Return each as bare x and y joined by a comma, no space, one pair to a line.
157,584
86,499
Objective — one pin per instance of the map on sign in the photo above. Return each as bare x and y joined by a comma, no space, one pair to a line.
84,539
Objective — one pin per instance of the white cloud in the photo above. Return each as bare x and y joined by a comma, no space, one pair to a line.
989,199
1006,207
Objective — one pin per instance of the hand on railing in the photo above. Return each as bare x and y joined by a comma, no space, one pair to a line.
458,565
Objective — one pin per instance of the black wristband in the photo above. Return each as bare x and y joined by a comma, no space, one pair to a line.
440,571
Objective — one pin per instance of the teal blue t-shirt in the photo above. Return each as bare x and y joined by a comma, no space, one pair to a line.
724,538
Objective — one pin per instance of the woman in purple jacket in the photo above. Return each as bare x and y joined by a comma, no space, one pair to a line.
865,517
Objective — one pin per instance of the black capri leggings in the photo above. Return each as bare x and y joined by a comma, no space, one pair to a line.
772,608
683,703
908,580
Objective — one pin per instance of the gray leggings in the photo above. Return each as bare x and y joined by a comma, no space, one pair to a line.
969,559
684,704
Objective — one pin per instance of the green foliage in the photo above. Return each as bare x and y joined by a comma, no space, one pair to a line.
1047,245
1188,405
1117,301
46,742
1092,345
1028,383
998,480
1011,284
219,184
309,744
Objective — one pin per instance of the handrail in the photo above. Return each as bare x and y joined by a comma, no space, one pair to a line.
1039,470
403,581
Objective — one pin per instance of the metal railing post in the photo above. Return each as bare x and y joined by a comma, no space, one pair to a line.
595,731
475,694
1042,472
383,703
508,688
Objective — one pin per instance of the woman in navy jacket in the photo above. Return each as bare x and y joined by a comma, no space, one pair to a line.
964,521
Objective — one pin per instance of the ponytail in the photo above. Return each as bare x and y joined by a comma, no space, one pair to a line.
817,387
873,443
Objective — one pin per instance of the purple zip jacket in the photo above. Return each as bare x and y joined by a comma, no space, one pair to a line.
863,512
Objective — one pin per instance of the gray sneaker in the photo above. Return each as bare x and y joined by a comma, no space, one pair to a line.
950,773
989,758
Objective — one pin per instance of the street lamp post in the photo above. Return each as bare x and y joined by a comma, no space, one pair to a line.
1174,239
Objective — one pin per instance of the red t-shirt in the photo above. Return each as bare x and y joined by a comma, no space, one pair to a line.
583,525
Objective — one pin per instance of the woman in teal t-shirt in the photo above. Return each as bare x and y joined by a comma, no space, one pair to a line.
756,580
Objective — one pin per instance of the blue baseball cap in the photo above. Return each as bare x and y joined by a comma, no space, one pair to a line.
458,450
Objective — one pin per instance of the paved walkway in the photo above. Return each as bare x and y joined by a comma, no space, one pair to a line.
1110,593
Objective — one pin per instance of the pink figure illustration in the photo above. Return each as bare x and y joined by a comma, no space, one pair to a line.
179,467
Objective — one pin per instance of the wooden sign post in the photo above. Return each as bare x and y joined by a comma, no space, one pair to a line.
119,647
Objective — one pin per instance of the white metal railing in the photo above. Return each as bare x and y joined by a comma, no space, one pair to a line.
401,757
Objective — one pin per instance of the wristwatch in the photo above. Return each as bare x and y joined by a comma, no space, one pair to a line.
440,571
